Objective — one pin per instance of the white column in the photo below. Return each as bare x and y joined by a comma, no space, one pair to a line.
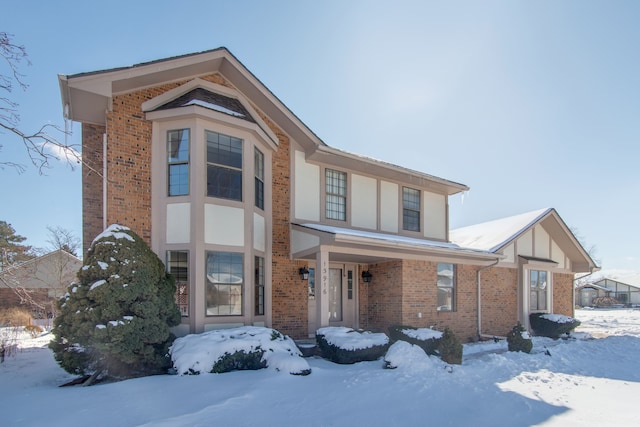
322,288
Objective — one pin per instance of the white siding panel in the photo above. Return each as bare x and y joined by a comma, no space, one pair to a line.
542,242
525,244
223,225
307,191
435,215
557,255
259,233
364,202
389,206
510,253
179,223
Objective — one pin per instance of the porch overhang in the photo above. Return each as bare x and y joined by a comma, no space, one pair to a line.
365,247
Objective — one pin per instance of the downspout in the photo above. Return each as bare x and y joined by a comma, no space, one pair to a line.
104,181
478,274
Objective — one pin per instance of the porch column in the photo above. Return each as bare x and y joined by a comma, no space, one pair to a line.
322,287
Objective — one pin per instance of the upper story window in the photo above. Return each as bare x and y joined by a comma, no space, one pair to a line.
259,178
224,166
178,162
446,286
336,197
538,290
410,209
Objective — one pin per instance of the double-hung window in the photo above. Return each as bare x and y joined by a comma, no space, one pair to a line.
410,209
224,166
224,282
538,281
336,195
178,162
446,287
259,178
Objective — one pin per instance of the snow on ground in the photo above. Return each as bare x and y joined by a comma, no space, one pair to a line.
582,382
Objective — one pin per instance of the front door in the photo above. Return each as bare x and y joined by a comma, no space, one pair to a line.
341,295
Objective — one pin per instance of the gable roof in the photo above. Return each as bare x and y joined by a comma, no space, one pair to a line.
632,280
493,236
86,97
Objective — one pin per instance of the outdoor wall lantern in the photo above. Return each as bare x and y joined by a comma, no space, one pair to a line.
366,276
304,273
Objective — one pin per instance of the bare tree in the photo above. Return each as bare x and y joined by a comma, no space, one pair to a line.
61,238
41,146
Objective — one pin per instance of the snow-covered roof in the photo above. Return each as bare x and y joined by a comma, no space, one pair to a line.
492,235
394,240
630,280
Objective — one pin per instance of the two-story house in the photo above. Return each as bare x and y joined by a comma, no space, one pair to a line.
262,223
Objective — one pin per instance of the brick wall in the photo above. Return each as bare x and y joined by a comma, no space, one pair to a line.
499,300
91,183
563,294
405,292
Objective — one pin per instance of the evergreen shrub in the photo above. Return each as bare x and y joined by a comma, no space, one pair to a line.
347,356
518,339
450,348
115,322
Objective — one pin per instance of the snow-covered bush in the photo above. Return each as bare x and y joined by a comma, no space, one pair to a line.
450,348
346,346
114,323
518,339
246,347
403,353
552,325
426,338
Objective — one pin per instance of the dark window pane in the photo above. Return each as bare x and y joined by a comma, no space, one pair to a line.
224,183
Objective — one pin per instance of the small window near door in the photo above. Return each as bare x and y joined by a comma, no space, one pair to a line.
538,290
446,287
312,283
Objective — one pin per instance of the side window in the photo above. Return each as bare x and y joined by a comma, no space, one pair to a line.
446,287
259,178
410,209
336,195
224,166
178,266
178,162
259,286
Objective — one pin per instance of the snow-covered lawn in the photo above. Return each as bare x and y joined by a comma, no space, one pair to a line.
582,382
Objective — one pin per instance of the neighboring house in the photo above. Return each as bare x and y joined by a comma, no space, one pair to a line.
38,283
625,290
262,223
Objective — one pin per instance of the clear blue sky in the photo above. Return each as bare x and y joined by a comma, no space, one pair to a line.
532,104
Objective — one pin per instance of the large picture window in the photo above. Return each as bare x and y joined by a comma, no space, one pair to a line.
336,194
178,266
259,178
224,282
178,162
410,209
259,286
446,287
538,286
224,166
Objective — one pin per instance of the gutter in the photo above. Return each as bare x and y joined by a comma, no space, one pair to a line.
478,277
104,181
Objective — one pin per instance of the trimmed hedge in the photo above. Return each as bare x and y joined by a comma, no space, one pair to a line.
552,325
349,356
430,346
240,361
518,339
